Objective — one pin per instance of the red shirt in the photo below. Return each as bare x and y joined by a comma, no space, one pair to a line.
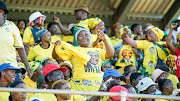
178,63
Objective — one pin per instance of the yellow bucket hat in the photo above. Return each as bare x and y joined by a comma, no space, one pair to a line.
159,33
93,22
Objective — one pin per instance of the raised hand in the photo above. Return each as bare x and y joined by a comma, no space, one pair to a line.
56,19
57,43
101,35
174,25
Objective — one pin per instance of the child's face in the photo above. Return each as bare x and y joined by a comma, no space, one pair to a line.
106,67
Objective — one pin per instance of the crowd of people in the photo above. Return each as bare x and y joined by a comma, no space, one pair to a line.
134,60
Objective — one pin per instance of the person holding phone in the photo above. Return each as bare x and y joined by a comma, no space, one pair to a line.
81,13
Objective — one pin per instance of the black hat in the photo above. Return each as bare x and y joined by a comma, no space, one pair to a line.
3,6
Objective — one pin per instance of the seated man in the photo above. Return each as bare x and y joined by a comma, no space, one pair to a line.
7,76
146,86
52,73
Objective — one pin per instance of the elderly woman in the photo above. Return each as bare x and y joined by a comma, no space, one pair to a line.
86,61
44,49
153,51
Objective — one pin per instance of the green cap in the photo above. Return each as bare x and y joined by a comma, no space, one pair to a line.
174,20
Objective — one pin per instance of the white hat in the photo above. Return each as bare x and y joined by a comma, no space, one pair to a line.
144,84
66,63
35,15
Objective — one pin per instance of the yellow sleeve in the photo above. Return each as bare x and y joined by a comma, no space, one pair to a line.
65,55
31,54
17,38
109,40
141,44
27,35
174,79
72,51
103,54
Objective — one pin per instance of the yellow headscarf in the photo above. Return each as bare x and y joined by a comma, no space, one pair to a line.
93,22
159,33
34,65
122,28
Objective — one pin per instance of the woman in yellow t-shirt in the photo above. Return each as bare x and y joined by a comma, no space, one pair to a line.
116,39
152,48
127,56
21,24
96,24
42,50
86,61
52,28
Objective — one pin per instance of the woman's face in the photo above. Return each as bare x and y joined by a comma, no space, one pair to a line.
47,37
67,73
19,96
44,85
84,39
162,76
66,86
100,26
151,36
106,67
21,24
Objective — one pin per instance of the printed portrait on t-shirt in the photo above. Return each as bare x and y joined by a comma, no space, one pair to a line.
152,50
127,54
92,65
150,64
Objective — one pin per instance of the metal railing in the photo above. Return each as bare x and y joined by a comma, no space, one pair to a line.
122,95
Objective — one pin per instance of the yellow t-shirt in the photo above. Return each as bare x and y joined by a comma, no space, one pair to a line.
55,38
83,23
29,83
69,38
150,54
100,44
45,96
126,57
85,77
10,39
174,79
28,36
4,96
38,53
116,41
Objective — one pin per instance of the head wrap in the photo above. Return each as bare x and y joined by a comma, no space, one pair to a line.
40,80
106,61
93,22
41,33
77,33
159,33
34,65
